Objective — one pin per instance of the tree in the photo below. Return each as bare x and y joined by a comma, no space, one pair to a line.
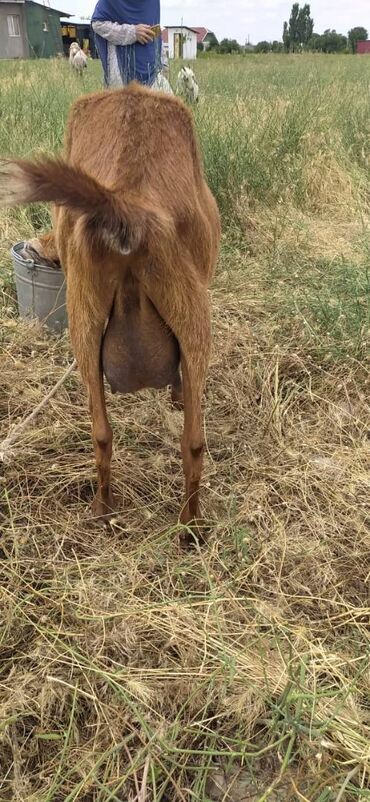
355,35
304,25
286,38
263,47
315,43
300,28
293,27
229,46
277,47
333,42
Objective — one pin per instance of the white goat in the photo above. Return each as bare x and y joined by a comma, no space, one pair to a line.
77,58
187,85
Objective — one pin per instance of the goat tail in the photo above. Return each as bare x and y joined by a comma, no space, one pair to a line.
121,222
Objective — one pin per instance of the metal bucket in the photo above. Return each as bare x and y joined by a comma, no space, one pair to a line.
41,291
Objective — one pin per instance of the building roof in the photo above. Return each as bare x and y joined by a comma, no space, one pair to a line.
76,20
48,8
185,27
201,34
174,27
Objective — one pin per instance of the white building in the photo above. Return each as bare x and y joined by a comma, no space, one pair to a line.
180,42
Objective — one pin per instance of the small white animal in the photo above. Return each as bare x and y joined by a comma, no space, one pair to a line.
77,58
187,85
162,84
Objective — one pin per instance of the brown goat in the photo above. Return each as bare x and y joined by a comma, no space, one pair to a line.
136,230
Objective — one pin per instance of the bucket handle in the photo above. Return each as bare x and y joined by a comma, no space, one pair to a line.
30,265
31,270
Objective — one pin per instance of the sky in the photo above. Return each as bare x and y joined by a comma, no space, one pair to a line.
240,19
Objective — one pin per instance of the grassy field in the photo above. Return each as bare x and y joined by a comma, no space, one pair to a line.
129,670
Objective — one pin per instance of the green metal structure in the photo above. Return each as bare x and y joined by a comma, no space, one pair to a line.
43,30
29,29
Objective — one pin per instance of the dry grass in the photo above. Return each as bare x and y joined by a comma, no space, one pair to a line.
117,647
133,671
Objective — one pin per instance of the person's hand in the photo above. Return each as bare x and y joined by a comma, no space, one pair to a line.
144,34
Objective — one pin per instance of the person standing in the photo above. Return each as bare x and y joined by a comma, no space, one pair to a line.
129,43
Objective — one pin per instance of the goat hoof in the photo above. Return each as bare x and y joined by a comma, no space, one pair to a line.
103,510
194,535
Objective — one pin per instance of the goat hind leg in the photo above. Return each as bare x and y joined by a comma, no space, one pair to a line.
103,504
194,369
192,326
86,331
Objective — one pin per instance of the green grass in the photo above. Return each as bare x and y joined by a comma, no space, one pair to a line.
124,662
286,149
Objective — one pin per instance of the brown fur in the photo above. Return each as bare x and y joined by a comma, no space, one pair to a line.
137,232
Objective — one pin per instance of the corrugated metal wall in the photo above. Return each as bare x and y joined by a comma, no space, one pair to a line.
44,31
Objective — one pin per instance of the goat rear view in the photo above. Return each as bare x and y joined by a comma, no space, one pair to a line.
137,233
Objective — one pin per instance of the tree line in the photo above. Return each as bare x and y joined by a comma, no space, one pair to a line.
299,36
